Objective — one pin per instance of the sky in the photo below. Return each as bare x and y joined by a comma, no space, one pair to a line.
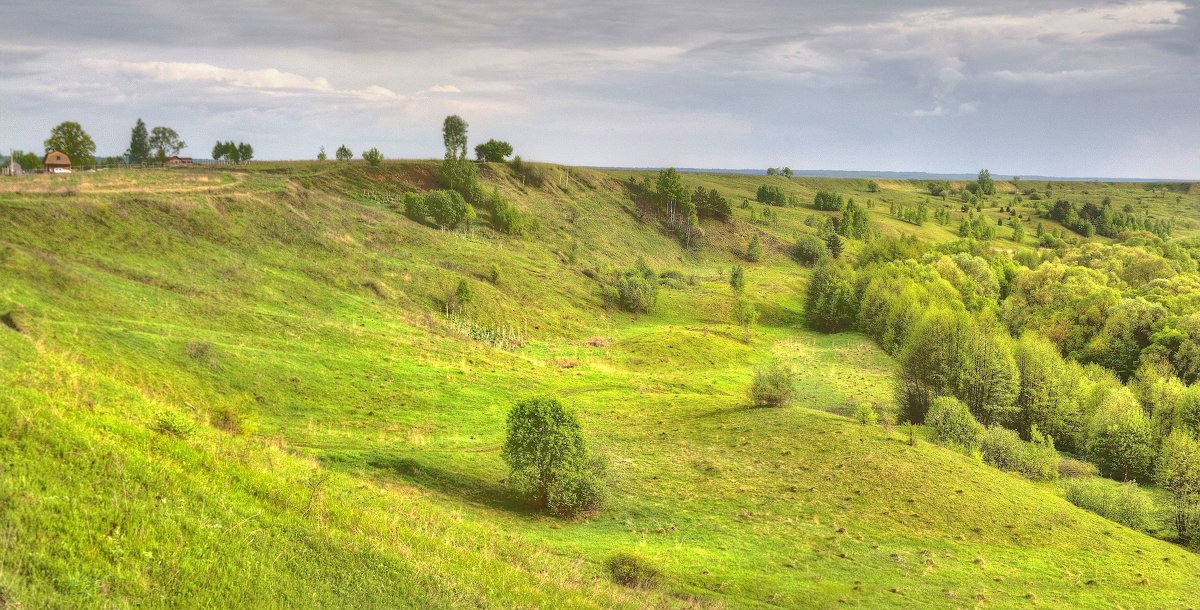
1064,88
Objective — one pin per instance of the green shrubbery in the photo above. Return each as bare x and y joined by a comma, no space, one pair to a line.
1126,503
1004,449
549,460
632,570
774,385
952,424
637,289
809,249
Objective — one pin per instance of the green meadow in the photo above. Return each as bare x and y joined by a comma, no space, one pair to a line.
238,387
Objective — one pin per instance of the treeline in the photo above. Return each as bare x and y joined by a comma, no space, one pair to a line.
1090,219
1056,353
667,199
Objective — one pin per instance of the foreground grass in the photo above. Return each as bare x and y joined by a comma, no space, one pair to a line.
289,301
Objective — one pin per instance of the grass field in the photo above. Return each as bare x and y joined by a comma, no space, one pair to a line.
236,388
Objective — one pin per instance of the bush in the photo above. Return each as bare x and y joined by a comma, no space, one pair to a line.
809,249
632,570
1071,468
952,424
548,459
1036,460
1124,503
754,250
865,414
494,273
373,157
774,385
174,423
414,207
448,208
636,293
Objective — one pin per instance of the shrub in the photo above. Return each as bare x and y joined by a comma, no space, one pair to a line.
828,202
548,459
636,293
754,250
494,273
952,424
174,423
415,208
1071,468
774,385
737,278
463,293
866,415
448,208
632,570
1036,460
373,157
1123,503
809,249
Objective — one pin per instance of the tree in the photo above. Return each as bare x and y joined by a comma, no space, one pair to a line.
872,186
1018,230
854,223
953,425
1178,471
833,244
29,161
343,153
70,139
787,172
745,314
754,250
548,457
373,157
493,151
1121,439
454,136
218,150
1043,394
448,208
809,249
165,142
984,183
987,378
771,171
830,304
245,152
139,144
737,279
321,156
930,361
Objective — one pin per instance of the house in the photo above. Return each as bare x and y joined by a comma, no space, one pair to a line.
55,162
177,160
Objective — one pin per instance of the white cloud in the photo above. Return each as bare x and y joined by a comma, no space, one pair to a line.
267,81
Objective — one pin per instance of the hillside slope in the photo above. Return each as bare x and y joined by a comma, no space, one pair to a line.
347,433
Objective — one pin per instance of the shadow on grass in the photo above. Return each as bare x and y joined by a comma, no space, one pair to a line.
463,486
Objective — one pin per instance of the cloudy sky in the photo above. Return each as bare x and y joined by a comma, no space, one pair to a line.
1068,88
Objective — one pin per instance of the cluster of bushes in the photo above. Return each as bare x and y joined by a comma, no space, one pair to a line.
1126,504
947,314
447,209
917,216
774,385
773,195
828,202
667,199
1090,219
634,290
976,227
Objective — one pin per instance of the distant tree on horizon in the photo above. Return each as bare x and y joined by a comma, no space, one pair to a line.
493,151
165,142
139,144
70,139
343,153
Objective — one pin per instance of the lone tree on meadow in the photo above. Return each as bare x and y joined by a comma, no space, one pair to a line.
343,153
548,458
70,139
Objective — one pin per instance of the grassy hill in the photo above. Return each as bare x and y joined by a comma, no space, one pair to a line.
237,388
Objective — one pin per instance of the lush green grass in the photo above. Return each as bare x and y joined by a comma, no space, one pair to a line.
292,297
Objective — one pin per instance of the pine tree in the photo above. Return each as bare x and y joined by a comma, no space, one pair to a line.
139,144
